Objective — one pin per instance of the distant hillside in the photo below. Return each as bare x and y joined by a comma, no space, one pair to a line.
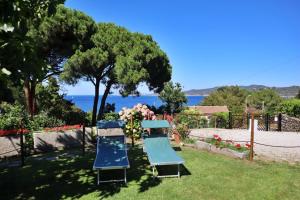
282,91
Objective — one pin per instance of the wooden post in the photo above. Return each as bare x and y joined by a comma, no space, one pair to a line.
248,119
279,121
83,139
252,138
131,124
22,146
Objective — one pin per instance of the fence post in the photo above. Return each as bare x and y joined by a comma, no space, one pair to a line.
252,138
248,120
230,120
83,139
22,146
279,122
267,122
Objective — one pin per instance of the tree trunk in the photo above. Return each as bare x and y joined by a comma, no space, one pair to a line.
96,99
29,91
103,100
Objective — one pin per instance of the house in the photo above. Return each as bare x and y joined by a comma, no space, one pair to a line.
209,110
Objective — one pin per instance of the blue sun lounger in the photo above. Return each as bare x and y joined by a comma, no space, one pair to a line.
111,154
159,149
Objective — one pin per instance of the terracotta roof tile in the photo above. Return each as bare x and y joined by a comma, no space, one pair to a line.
210,109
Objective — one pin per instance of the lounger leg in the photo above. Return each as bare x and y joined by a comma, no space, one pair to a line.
98,177
125,176
178,171
153,171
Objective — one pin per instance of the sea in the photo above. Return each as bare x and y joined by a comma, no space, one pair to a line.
85,102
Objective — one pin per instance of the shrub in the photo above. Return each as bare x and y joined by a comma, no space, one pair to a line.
137,114
183,131
11,116
42,120
192,118
111,116
290,107
219,120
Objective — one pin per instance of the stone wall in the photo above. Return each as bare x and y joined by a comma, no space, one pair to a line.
53,140
290,124
49,141
9,145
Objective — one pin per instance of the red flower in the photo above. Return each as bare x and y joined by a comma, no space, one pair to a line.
248,145
215,136
238,146
219,139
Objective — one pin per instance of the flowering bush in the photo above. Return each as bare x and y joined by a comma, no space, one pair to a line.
218,142
133,117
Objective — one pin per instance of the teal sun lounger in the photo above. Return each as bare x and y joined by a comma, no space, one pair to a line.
159,149
111,154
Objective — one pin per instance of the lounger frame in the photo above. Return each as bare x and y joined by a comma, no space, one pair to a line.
112,168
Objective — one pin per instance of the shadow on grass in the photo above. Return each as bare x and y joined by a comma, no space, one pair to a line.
177,148
70,178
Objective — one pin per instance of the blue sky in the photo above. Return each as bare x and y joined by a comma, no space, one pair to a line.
212,42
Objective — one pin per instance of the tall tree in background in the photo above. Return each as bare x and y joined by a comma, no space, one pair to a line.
231,96
173,96
48,37
298,95
266,100
119,59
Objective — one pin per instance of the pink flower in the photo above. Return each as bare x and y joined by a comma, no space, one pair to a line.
238,146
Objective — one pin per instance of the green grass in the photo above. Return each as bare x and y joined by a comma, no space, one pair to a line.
206,176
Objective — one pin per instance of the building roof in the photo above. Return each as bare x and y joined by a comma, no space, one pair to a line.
210,109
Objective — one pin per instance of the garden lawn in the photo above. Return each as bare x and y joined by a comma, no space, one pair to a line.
205,176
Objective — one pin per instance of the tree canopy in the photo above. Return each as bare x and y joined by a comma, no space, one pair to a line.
290,107
231,96
266,100
48,36
173,96
120,59
298,95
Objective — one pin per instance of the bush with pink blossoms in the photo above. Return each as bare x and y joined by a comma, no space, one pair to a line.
138,113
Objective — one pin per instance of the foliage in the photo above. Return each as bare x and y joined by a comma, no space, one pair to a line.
183,130
218,142
47,36
11,116
266,100
298,95
133,118
111,116
231,96
88,118
157,110
173,97
219,120
192,119
42,120
290,107
189,140
54,104
109,107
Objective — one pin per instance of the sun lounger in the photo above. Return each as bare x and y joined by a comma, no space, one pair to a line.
111,151
111,154
159,149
